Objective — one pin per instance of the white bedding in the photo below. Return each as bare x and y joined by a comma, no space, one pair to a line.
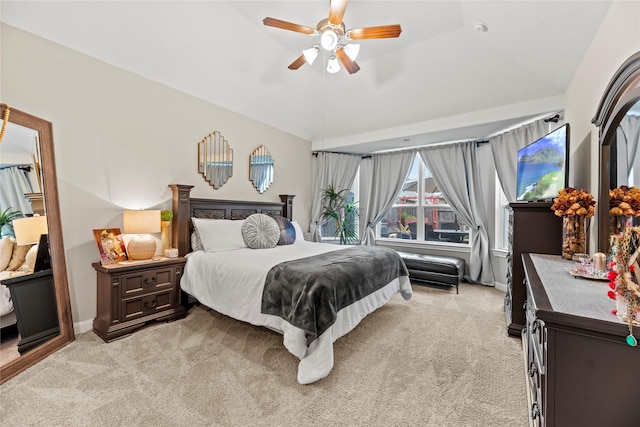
231,283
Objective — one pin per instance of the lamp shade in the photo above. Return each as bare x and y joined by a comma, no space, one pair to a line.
141,222
28,230
141,246
332,65
310,54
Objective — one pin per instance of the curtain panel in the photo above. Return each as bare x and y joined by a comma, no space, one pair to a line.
388,173
329,168
463,191
14,183
505,148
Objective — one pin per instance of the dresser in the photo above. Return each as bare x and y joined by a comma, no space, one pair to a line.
534,228
132,294
580,371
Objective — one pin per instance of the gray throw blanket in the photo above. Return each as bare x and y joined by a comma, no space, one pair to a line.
309,292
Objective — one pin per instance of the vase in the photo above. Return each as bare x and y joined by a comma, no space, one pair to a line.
574,235
165,227
617,224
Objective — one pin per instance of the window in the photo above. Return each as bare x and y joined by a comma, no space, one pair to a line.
421,213
502,217
328,229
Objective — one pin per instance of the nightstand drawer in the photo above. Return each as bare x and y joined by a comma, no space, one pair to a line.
146,281
147,304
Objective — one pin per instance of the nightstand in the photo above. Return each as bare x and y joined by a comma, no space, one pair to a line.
34,303
134,293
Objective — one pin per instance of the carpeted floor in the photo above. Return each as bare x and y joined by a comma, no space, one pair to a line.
440,359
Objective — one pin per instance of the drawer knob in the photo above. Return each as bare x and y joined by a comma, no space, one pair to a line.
535,411
151,281
535,326
152,305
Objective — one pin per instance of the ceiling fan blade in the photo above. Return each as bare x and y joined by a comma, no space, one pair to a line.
381,32
273,22
349,65
297,63
336,11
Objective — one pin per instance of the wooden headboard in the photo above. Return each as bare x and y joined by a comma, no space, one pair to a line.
185,208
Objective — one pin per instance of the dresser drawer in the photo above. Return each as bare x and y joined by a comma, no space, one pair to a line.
146,281
144,305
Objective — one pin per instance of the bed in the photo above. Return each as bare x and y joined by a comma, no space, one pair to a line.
279,288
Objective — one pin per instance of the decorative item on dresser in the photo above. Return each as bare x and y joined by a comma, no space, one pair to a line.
580,371
132,294
532,228
575,207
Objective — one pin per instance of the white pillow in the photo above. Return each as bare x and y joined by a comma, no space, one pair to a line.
30,260
6,249
219,235
299,233
260,231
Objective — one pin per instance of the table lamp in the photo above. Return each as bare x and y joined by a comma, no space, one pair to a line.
29,229
141,246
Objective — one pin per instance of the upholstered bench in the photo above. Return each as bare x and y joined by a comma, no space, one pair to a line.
434,269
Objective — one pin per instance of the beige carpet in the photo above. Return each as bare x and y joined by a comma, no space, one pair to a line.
440,359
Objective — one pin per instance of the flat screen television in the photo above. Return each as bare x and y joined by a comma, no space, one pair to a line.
543,167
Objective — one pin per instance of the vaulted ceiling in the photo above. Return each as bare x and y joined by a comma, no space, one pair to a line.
441,80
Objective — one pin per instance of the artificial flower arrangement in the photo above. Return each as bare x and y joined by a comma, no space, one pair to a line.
624,201
624,277
571,202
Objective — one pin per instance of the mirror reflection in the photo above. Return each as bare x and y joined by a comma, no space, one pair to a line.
24,247
261,169
215,159
625,169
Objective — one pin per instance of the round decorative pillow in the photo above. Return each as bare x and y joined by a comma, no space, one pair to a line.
287,230
260,231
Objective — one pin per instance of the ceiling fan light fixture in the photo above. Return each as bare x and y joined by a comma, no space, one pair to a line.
333,66
311,54
352,50
329,40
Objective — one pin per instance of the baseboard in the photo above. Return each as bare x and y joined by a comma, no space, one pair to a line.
81,327
501,286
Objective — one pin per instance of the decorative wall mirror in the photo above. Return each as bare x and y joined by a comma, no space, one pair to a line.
261,169
215,159
618,118
39,349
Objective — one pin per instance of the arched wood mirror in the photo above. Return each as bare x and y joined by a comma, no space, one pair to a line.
39,348
616,117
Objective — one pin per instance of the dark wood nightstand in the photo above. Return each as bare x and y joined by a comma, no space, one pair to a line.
34,302
132,294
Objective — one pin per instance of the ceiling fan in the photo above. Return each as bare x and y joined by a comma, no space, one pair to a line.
332,31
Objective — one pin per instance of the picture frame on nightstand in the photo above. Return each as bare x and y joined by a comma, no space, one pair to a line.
110,245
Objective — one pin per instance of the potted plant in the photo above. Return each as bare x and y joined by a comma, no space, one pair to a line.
6,221
336,208
165,221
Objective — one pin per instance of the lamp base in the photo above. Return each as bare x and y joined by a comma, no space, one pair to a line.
141,247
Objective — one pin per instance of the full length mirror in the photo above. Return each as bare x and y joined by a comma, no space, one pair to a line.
618,118
38,286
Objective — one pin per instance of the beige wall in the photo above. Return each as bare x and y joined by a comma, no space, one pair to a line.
120,139
616,40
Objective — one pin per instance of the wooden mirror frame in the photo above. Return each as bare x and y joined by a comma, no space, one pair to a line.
56,248
622,92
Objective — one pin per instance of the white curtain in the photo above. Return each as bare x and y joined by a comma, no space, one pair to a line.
629,136
329,168
388,173
455,170
14,183
505,151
